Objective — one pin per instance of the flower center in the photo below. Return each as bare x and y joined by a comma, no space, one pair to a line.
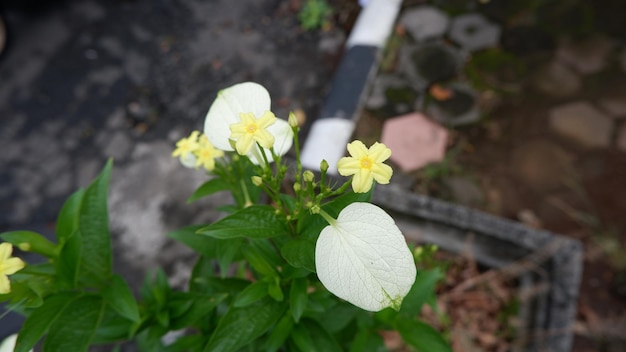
251,128
366,163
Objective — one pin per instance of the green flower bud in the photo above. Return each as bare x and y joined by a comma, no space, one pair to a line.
308,176
293,120
324,165
297,187
257,181
24,246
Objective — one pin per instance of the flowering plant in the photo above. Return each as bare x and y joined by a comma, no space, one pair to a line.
296,264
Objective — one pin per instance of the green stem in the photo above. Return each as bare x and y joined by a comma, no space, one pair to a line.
246,196
329,219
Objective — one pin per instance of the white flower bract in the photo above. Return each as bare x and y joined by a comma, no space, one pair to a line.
244,98
363,258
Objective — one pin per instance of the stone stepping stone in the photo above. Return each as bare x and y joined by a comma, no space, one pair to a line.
414,140
614,107
556,80
583,123
586,56
425,22
430,62
474,32
459,108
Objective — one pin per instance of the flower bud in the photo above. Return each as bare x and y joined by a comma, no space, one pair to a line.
315,209
293,120
24,246
257,181
297,187
308,176
324,165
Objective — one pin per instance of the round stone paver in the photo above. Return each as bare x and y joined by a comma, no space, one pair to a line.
474,32
425,22
583,123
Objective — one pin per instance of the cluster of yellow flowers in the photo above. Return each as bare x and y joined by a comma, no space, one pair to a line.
240,120
196,150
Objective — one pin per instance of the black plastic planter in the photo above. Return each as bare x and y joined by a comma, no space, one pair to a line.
552,261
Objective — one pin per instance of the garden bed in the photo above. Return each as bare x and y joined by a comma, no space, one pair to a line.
545,266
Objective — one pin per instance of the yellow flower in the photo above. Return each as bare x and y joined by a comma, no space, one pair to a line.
185,149
366,165
226,111
8,266
206,154
251,130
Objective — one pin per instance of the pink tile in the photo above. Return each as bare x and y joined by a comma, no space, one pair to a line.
414,140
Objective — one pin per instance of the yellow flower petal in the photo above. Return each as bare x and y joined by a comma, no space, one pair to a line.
226,112
5,285
8,266
5,251
251,130
365,165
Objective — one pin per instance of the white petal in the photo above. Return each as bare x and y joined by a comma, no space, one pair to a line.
188,160
242,97
364,258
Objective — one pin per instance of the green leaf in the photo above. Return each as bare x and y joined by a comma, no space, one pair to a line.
367,341
201,305
119,296
36,242
257,221
113,327
421,291
76,325
39,321
204,245
338,317
94,230
257,260
309,335
211,186
279,334
227,251
421,336
251,294
298,298
156,290
67,221
275,291
68,263
215,285
322,340
301,337
241,326
299,253
186,343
